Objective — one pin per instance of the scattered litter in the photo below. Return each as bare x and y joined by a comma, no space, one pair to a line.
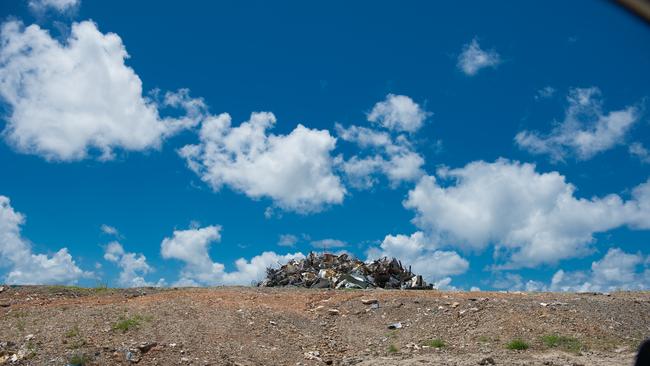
343,271
397,325
313,355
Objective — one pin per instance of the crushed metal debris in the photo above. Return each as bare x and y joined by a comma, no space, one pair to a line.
343,271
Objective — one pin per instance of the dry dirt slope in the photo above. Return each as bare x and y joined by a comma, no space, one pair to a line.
251,326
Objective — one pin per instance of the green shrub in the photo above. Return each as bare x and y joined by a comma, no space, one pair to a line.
435,343
125,324
393,349
517,344
569,344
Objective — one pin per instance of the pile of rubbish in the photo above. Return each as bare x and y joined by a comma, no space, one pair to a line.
343,271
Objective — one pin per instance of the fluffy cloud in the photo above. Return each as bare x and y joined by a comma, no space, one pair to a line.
399,113
639,151
617,270
530,217
78,98
287,240
585,131
109,230
134,266
191,247
58,5
328,243
294,170
545,92
473,58
423,256
25,267
391,156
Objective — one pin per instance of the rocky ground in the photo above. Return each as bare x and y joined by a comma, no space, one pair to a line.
270,326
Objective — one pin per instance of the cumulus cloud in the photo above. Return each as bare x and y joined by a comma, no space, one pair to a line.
133,266
24,267
545,92
328,243
585,131
61,6
615,271
77,99
423,255
287,240
473,58
399,113
109,230
294,170
640,152
191,247
531,218
394,157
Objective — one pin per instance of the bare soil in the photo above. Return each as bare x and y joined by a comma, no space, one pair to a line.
51,325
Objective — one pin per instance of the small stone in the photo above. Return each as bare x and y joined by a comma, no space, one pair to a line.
146,347
455,304
369,301
487,361
397,325
29,337
272,322
333,311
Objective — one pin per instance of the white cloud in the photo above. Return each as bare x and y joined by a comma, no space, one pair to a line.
328,243
545,92
399,113
58,5
294,170
617,270
473,58
191,247
392,156
25,267
585,131
287,240
639,151
531,218
109,230
75,99
422,255
134,266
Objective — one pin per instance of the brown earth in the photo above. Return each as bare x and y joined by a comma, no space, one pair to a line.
269,326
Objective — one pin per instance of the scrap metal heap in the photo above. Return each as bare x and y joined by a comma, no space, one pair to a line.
343,271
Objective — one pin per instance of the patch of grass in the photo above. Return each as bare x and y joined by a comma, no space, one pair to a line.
517,344
20,325
101,288
125,324
484,339
393,349
79,359
435,343
72,332
569,344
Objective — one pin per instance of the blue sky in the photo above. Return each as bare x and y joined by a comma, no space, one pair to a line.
499,147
